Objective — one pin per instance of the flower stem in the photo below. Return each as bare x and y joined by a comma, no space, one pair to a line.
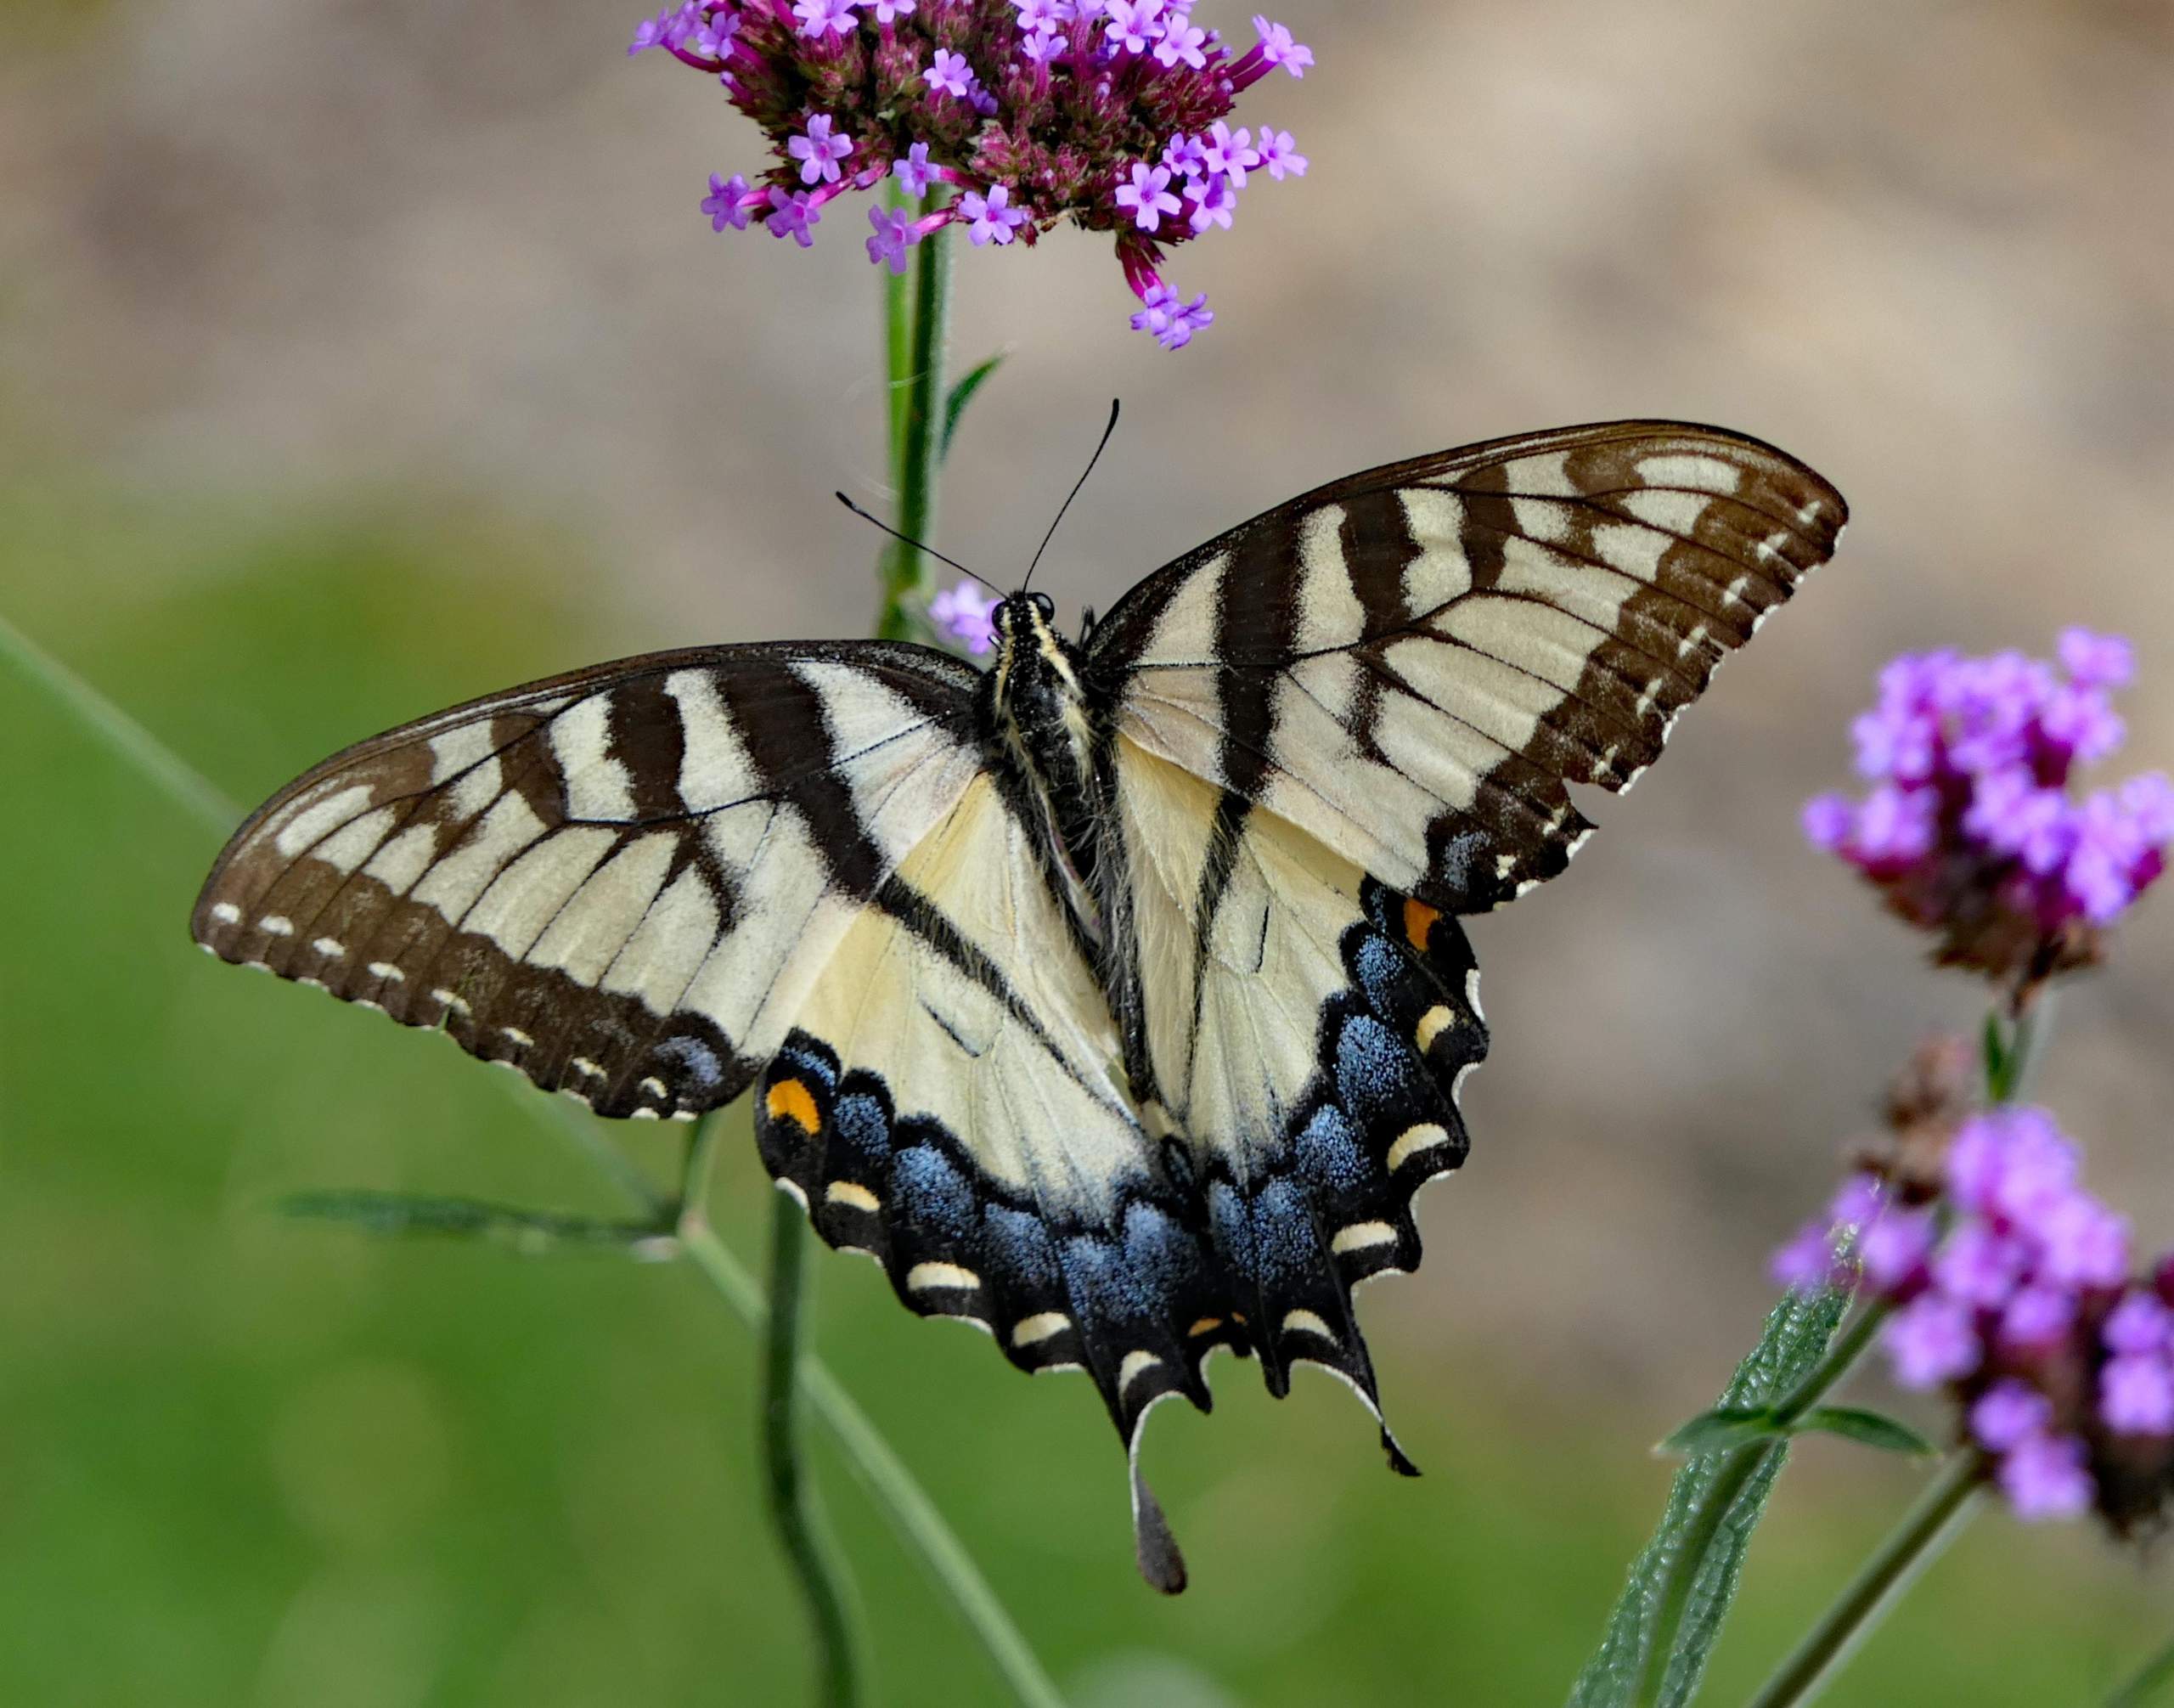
1914,1544
792,1505
881,1471
917,445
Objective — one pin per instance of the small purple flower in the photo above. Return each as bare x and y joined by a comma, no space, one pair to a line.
1148,195
890,11
2036,1321
2009,1413
1279,155
951,73
2096,661
894,235
1172,322
713,37
670,28
1044,17
1134,24
820,17
819,150
1043,50
991,218
1808,1260
1828,821
1230,152
1978,1267
1277,47
1185,156
1182,43
726,203
1894,1248
2136,1396
2140,1323
1932,1340
795,216
965,614
2083,1244
2046,1478
912,170
1214,202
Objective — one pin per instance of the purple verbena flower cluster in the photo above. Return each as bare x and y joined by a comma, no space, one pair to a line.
1970,829
2013,1291
1112,113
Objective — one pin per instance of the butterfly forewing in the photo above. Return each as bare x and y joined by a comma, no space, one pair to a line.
622,883
1412,663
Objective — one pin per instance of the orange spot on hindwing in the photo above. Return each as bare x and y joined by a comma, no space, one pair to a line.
1419,920
791,1101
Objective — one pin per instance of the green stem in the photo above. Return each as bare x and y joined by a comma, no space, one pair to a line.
908,580
879,1470
2147,1681
814,1559
1914,1544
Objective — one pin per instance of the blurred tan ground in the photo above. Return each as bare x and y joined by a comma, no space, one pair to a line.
285,251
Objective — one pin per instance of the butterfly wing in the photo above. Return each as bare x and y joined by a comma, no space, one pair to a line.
623,882
1340,725
653,884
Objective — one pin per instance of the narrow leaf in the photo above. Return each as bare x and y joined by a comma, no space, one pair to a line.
1870,1429
532,1233
1687,1575
1725,1426
961,395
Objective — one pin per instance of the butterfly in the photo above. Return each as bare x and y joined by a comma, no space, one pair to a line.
1113,997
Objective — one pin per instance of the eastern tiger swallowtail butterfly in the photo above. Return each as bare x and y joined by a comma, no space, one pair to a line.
1113,997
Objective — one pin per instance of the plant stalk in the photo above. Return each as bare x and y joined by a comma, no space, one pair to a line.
908,579
1927,1528
814,1559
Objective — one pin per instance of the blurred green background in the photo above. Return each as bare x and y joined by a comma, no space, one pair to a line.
354,361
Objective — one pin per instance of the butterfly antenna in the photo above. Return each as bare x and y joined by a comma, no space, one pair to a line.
917,545
1115,403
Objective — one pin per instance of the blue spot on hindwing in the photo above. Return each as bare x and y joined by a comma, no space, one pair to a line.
860,1127
1329,1154
931,1194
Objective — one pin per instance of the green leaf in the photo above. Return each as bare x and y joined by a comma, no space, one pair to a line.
1870,1429
532,1233
1725,1426
1679,1589
961,395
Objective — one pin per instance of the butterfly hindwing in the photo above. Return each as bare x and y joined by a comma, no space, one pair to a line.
621,883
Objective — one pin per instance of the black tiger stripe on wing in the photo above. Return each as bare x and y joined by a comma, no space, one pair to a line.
605,879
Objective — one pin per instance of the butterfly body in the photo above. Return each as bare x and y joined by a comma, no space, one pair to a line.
1114,998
